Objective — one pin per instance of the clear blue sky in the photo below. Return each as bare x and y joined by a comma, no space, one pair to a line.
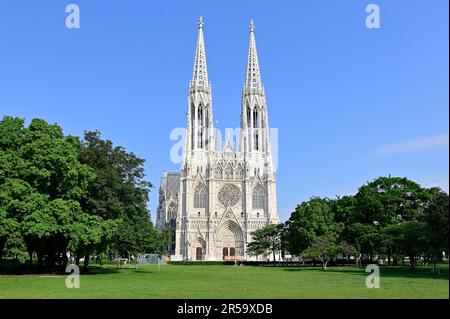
350,103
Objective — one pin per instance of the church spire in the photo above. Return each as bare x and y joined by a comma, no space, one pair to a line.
199,116
253,78
200,73
254,120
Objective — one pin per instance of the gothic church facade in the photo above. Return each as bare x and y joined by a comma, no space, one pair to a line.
220,195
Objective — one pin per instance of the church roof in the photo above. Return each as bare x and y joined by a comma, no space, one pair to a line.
172,185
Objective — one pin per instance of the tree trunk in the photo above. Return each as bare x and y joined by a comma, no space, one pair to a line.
358,261
40,261
65,261
395,261
412,263
2,246
435,267
324,264
86,263
31,258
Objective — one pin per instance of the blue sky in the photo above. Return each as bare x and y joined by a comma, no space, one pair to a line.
350,103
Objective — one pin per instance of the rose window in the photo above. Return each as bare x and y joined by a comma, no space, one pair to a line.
229,195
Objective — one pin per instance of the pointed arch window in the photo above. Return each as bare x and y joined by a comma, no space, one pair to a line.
229,172
218,173
256,127
255,117
193,116
258,198
200,197
200,115
200,126
172,215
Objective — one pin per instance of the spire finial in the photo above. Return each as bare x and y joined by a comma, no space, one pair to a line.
252,25
200,22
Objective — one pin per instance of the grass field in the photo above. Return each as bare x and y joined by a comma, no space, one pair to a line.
223,281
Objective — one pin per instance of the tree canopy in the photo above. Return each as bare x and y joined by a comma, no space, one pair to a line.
389,217
63,196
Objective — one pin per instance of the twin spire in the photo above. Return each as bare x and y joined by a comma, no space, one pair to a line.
200,74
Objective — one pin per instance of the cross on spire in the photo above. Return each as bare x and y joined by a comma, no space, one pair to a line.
252,25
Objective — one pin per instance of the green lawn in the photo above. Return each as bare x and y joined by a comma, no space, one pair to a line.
223,281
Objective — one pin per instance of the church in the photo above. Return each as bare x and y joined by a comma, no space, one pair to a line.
221,194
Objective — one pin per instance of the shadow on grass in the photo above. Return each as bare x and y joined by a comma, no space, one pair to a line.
19,270
385,271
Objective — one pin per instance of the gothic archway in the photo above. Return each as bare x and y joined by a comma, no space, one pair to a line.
198,253
198,249
229,235
224,253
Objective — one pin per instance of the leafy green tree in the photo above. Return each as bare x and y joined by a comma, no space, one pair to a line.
347,249
411,239
90,234
41,184
266,240
380,204
325,248
390,200
9,243
160,242
119,191
437,219
310,220
38,166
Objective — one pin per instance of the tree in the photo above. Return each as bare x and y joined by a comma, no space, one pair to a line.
323,249
347,250
266,239
59,195
310,220
380,204
390,200
437,219
160,242
45,174
410,238
10,240
91,234
119,191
